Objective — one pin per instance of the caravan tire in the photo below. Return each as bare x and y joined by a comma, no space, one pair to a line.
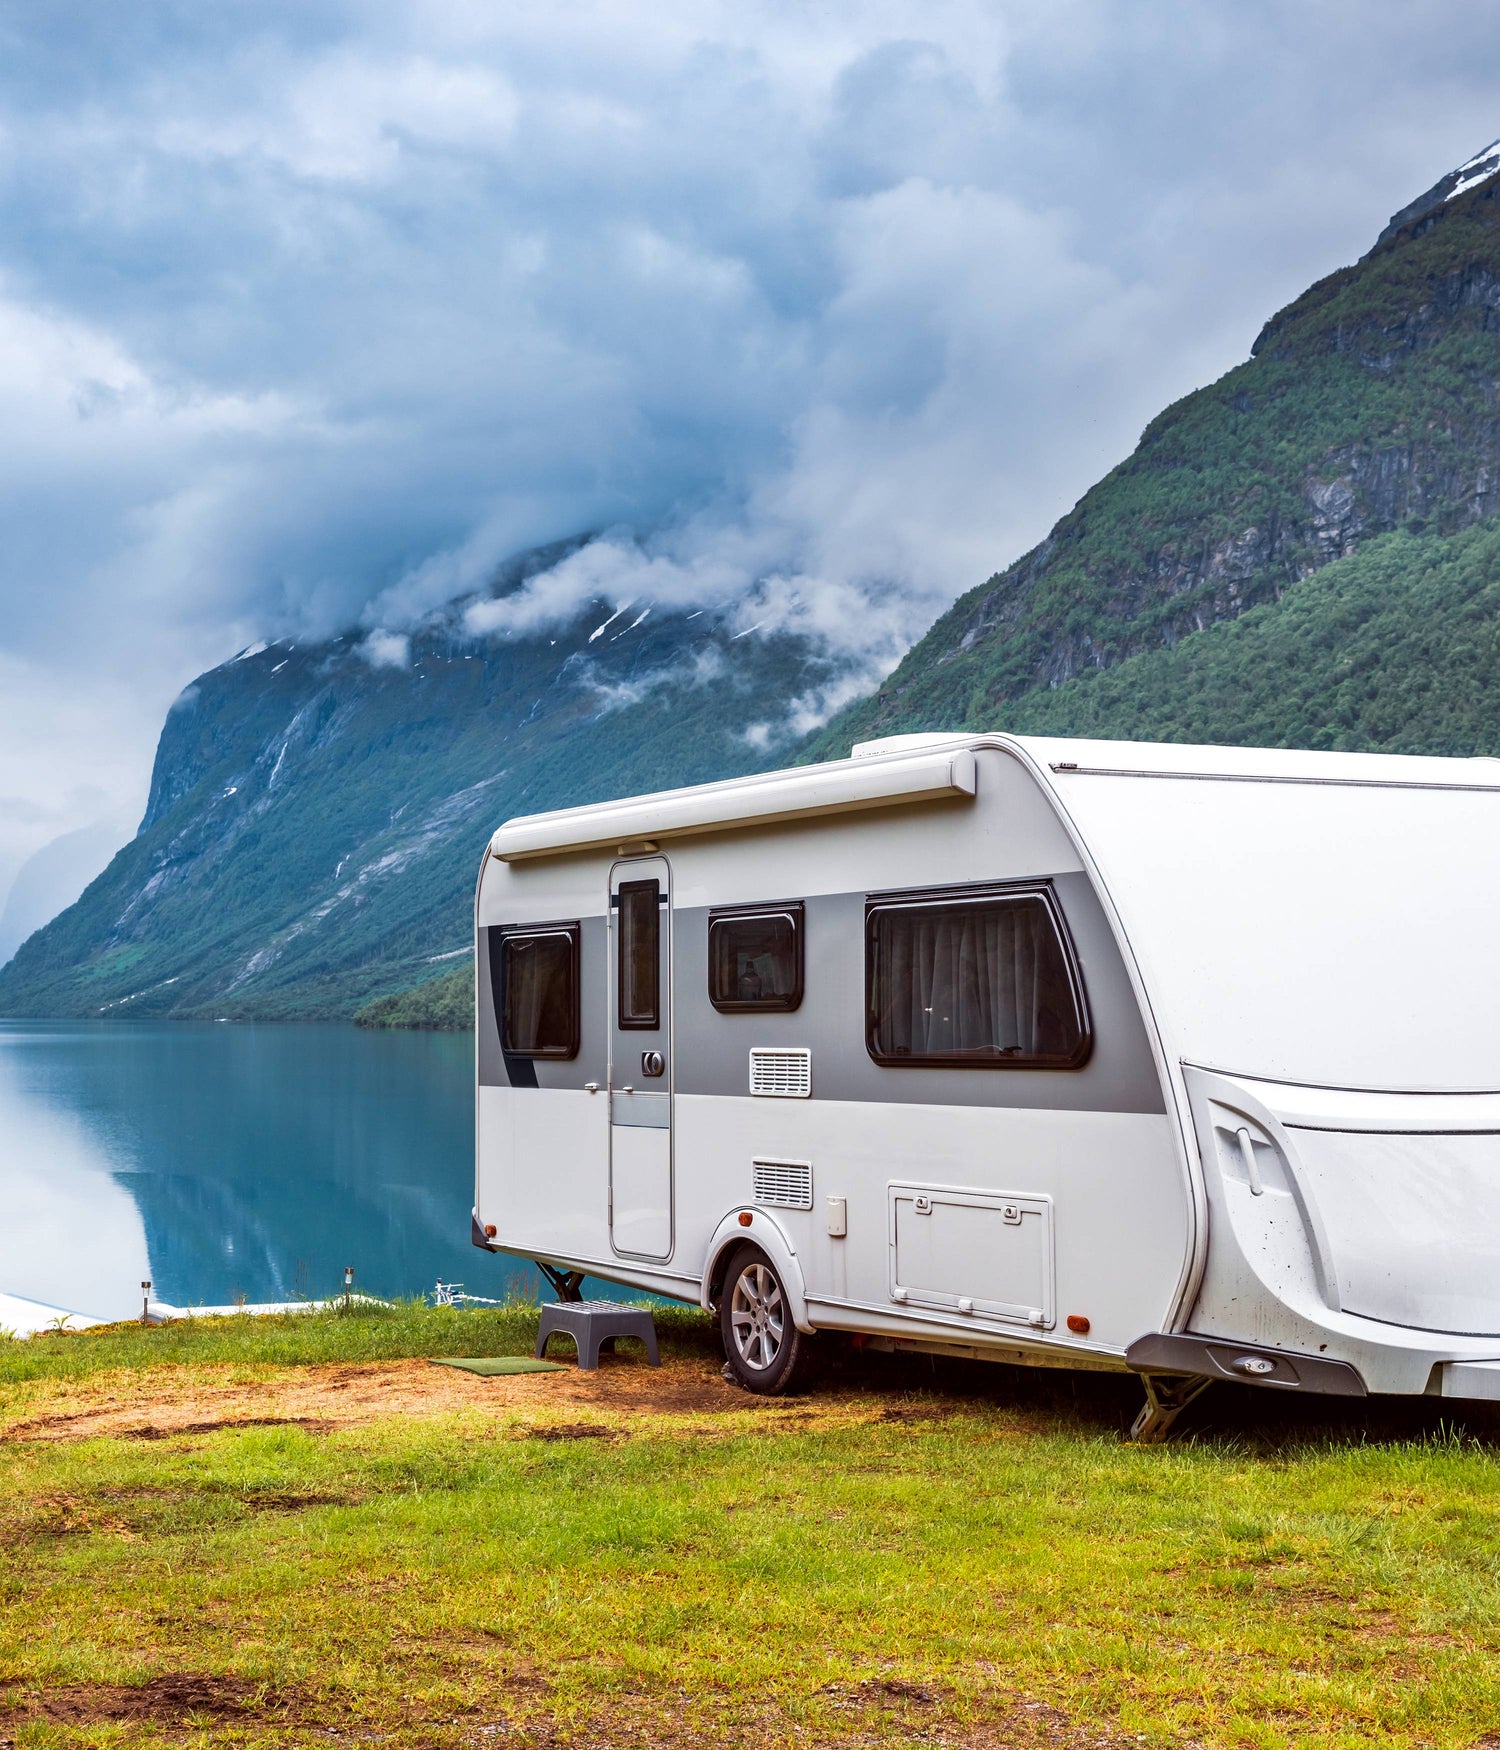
765,1351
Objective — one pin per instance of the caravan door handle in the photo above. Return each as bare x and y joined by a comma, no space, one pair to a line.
653,1063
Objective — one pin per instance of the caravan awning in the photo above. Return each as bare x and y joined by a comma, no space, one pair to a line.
840,787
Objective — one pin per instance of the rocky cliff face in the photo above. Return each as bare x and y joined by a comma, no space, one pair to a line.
1371,404
317,812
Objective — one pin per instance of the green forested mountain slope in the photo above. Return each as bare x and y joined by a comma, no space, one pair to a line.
1370,405
315,823
1395,649
445,1003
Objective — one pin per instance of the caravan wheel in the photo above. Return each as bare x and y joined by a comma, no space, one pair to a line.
765,1350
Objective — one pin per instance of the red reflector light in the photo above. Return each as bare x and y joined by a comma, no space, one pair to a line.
489,1230
1078,1324
746,1218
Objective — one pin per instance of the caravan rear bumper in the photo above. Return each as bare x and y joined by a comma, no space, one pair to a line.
1470,1379
1207,1358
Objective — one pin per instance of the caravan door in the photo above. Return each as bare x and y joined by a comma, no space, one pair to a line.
640,1058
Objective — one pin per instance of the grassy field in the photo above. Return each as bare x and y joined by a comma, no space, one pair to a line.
289,1532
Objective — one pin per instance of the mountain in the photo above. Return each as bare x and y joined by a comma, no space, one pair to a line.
53,877
317,811
1367,417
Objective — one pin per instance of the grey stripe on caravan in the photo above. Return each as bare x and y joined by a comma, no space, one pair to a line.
711,1052
713,1049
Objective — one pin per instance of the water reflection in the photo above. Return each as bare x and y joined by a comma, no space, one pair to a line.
234,1161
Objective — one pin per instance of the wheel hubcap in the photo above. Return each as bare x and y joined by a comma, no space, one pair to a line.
757,1317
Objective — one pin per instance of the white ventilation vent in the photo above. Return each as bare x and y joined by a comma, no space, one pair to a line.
787,1184
784,1072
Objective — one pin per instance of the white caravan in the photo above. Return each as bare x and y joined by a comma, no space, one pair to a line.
1084,1054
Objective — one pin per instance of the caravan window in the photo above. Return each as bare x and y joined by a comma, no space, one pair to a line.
984,978
640,954
755,958
538,987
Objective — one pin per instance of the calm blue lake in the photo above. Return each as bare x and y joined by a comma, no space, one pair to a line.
235,1161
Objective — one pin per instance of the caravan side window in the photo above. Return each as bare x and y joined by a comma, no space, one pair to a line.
983,978
537,989
755,958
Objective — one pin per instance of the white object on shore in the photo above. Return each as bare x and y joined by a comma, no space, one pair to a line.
452,1294
24,1318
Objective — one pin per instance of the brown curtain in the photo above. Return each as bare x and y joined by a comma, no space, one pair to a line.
970,979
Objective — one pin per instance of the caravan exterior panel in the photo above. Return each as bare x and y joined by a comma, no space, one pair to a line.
979,1253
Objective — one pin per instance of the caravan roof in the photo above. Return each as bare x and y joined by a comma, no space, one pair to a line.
1321,918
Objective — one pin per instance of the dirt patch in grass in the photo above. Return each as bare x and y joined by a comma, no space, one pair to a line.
878,1712
880,1690
170,1700
323,1398
920,1413
313,1424
131,1513
571,1431
261,1500
45,1516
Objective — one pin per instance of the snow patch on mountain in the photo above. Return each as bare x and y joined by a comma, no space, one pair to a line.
1480,168
1481,165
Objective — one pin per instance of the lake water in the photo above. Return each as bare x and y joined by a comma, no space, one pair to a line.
226,1162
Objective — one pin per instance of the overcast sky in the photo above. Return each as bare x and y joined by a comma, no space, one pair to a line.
311,312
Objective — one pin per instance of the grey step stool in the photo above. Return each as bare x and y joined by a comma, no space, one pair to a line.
593,1323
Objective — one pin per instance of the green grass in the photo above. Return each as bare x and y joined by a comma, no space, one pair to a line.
909,1555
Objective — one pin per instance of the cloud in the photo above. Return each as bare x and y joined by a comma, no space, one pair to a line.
310,316
697,670
810,710
382,649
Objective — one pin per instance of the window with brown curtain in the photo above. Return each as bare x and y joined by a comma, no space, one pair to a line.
982,980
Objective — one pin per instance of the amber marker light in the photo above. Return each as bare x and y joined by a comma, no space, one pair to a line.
746,1218
489,1230
1078,1324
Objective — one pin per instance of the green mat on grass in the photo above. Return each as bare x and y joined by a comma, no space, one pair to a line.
491,1364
